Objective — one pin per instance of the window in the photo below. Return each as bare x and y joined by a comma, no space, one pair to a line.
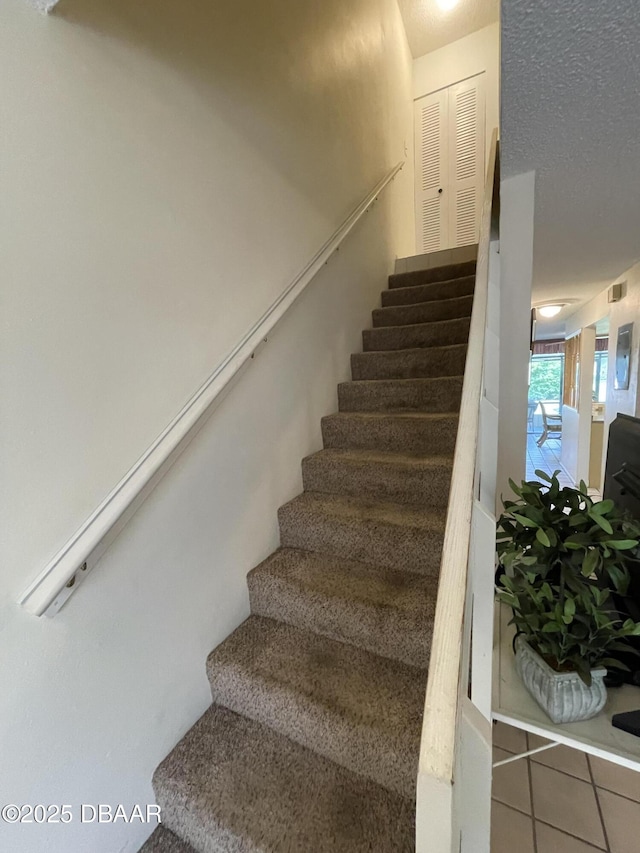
546,378
600,365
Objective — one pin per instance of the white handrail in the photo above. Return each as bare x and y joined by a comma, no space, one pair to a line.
68,567
439,730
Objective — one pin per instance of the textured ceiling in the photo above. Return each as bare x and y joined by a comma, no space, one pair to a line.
571,111
429,27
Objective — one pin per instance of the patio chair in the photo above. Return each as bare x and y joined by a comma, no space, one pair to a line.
551,426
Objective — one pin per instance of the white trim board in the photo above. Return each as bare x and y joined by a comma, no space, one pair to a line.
431,260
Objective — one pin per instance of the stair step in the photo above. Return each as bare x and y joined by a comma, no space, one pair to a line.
423,312
439,333
400,432
380,610
379,476
313,739
418,363
358,709
444,273
397,536
163,840
440,394
429,292
234,785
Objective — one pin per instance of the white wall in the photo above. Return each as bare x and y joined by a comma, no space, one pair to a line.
587,315
627,310
570,441
168,170
474,54
517,206
623,402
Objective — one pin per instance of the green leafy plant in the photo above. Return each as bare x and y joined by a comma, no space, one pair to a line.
561,555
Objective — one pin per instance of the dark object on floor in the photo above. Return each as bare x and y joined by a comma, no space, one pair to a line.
628,722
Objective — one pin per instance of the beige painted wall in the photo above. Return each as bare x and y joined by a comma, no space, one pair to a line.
471,55
168,168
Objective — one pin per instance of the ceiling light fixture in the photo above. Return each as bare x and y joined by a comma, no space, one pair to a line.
447,5
551,310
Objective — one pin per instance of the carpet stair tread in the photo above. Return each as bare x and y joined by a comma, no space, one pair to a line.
447,272
394,535
380,475
386,612
428,292
162,840
410,335
234,786
402,432
415,363
361,710
431,394
423,312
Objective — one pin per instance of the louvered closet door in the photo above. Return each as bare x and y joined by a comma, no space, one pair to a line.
431,128
466,160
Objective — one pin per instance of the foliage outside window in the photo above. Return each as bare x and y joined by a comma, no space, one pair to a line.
546,378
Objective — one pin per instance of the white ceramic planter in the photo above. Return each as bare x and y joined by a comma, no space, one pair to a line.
562,695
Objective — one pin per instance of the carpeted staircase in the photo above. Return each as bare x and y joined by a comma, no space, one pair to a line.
311,744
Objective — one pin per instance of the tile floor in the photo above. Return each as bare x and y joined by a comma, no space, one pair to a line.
561,800
546,457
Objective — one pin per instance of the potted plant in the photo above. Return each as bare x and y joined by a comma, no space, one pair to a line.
560,556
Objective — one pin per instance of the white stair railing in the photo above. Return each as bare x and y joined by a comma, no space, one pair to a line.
454,774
